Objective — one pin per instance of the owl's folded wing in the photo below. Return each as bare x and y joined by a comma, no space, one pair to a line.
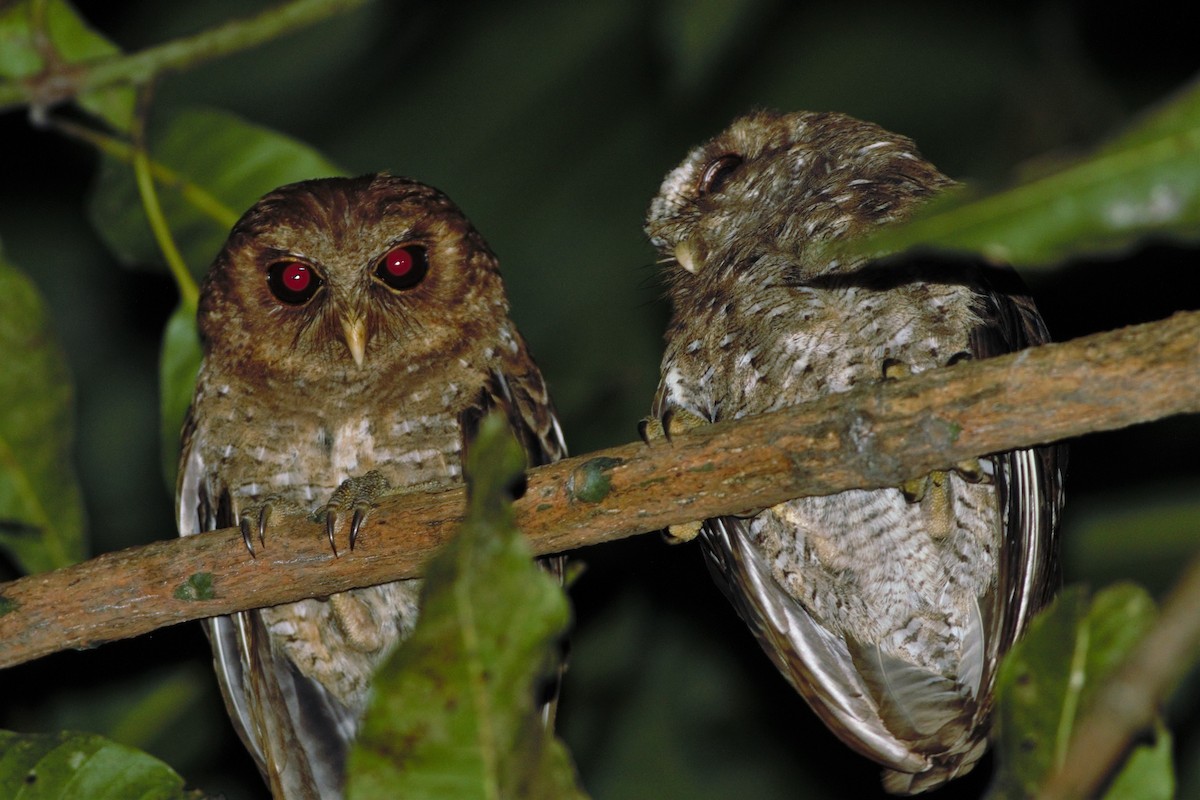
299,752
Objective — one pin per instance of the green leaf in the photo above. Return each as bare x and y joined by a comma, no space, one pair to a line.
82,766
41,510
179,362
453,713
73,41
1144,183
1051,675
1149,772
208,167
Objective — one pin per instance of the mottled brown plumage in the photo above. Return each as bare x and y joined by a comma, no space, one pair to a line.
887,609
354,332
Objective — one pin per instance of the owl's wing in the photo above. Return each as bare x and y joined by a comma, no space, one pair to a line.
1028,482
825,668
816,661
300,751
519,392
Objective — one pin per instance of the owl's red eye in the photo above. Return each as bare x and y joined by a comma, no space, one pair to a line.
717,173
403,267
292,282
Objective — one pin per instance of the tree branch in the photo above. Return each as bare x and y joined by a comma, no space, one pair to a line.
876,436
60,82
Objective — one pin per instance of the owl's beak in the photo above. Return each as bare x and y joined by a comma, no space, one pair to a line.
355,330
685,255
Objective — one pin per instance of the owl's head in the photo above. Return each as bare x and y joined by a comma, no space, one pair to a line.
775,184
341,276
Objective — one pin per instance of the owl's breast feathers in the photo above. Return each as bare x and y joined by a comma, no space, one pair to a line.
296,677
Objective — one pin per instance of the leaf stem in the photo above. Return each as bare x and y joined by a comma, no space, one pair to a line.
223,215
189,292
59,83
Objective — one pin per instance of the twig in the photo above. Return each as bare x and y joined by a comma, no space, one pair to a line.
60,82
1132,699
876,436
189,292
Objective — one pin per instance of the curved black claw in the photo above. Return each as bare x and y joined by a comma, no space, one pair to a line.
355,497
360,515
247,539
264,515
259,521
331,518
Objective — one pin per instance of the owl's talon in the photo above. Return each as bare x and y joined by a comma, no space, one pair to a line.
247,539
650,429
264,514
255,518
360,516
331,518
354,498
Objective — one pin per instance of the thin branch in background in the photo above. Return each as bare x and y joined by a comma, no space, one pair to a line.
189,292
58,83
873,437
116,147
1132,699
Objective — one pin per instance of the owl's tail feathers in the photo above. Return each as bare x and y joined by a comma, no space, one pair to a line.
926,728
908,783
934,716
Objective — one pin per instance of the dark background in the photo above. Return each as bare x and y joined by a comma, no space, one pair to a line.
552,125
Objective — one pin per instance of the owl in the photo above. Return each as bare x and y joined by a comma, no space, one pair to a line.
888,609
355,331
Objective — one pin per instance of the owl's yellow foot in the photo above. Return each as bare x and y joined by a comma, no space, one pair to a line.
893,369
672,423
970,470
356,497
683,532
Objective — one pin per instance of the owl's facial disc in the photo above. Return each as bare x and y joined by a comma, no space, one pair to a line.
354,328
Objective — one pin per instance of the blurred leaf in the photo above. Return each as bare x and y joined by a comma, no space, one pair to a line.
209,167
1140,534
1146,182
178,365
1148,775
698,35
73,41
150,707
41,510
454,713
82,766
1051,675
668,697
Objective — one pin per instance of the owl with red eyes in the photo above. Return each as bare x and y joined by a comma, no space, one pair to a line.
355,331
